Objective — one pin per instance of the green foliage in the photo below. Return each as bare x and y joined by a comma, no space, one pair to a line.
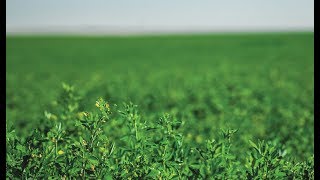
205,107
149,149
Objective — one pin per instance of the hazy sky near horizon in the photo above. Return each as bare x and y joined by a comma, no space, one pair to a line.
164,14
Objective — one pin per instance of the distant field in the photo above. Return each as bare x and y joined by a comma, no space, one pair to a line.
260,84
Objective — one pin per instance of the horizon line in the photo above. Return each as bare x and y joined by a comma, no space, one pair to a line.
132,30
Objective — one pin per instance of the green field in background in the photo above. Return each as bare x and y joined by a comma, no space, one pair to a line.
261,84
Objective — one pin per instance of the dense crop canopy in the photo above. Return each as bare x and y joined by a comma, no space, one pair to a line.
171,107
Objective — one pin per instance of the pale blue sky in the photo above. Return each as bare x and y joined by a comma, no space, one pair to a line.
171,14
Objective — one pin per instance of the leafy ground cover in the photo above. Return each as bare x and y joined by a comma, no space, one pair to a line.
160,107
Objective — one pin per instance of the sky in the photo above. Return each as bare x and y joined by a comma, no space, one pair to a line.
220,15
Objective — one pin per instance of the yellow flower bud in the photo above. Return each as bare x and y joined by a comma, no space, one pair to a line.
60,152
102,149
97,104
199,139
54,117
84,142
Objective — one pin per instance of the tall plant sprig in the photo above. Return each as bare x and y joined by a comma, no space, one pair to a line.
135,160
94,141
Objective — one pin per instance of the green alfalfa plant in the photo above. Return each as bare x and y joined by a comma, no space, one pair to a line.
53,147
68,100
36,154
20,154
94,146
215,158
63,110
151,149
299,170
15,150
47,145
60,153
167,148
265,161
134,160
